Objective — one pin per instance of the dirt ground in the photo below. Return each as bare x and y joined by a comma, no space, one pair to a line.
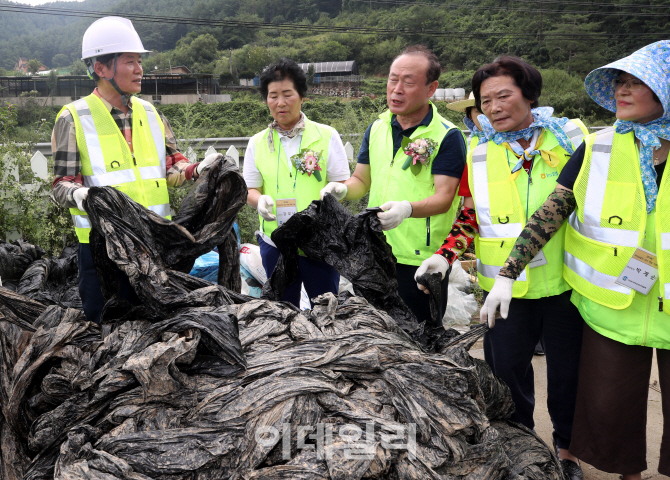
544,428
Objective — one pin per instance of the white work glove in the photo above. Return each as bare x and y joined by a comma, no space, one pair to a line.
336,189
394,213
79,195
433,264
264,207
209,159
500,295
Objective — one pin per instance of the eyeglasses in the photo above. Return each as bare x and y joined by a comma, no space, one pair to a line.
632,85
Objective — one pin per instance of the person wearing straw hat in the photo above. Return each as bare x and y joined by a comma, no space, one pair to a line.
470,120
615,198
510,172
113,138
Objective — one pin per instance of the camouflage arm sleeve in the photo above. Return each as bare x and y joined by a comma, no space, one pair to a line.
544,223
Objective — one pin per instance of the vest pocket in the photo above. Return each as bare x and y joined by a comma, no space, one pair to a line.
110,143
500,200
156,191
618,202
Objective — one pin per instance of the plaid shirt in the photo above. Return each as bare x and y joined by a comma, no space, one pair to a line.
67,160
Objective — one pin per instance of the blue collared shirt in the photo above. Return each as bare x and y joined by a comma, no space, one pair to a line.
450,158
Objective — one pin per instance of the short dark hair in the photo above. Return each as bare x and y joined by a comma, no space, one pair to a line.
525,76
434,68
281,70
106,60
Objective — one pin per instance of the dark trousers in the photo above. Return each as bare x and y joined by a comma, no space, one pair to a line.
509,347
318,277
611,415
90,290
417,301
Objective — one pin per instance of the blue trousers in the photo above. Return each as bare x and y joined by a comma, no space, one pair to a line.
509,347
318,277
90,290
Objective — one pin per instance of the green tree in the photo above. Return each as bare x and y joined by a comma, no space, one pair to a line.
34,65
52,83
60,60
78,68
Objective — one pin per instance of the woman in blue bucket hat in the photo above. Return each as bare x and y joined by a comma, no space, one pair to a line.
616,200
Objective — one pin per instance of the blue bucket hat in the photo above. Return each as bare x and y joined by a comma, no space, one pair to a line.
651,64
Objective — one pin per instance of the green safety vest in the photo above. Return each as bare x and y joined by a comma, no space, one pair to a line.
415,239
504,206
609,223
106,159
280,181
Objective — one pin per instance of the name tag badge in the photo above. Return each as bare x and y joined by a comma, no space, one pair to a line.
286,208
641,272
539,260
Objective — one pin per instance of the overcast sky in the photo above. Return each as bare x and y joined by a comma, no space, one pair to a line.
40,2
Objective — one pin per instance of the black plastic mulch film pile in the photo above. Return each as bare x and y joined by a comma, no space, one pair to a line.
199,382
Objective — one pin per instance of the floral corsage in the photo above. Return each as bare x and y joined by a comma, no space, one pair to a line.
307,161
418,153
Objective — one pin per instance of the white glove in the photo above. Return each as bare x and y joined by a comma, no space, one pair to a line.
79,195
394,213
336,189
209,159
500,295
264,207
433,264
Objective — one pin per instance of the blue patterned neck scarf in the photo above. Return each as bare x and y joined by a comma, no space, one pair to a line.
542,119
474,131
648,134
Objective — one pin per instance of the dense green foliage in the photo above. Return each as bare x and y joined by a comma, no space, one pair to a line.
468,33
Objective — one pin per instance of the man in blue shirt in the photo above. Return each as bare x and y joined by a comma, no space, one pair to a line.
422,203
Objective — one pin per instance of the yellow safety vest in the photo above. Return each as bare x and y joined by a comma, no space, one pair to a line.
415,239
280,181
106,159
504,206
610,222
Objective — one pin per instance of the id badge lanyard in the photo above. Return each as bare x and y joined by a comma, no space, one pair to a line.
286,203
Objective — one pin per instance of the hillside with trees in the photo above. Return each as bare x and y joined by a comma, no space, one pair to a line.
207,35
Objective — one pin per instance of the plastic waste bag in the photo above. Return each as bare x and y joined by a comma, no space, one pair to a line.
207,267
354,245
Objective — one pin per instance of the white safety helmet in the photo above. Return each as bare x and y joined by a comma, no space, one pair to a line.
110,35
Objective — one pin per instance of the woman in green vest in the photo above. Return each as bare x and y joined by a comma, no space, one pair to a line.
509,174
286,166
617,256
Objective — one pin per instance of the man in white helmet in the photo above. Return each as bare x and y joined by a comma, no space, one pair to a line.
111,138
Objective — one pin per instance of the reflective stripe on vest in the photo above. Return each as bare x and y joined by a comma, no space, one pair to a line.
480,179
490,271
162,210
592,275
157,135
81,221
92,138
574,133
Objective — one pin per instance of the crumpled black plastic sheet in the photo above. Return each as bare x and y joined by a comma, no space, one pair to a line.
15,258
433,281
156,254
215,385
354,245
53,281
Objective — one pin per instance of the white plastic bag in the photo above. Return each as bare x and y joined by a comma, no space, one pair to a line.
460,307
250,259
459,278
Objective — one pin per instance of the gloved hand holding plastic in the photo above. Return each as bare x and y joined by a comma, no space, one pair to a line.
264,207
433,264
336,189
394,213
207,162
79,195
499,296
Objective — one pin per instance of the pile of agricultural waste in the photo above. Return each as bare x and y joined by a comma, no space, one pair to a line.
201,382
